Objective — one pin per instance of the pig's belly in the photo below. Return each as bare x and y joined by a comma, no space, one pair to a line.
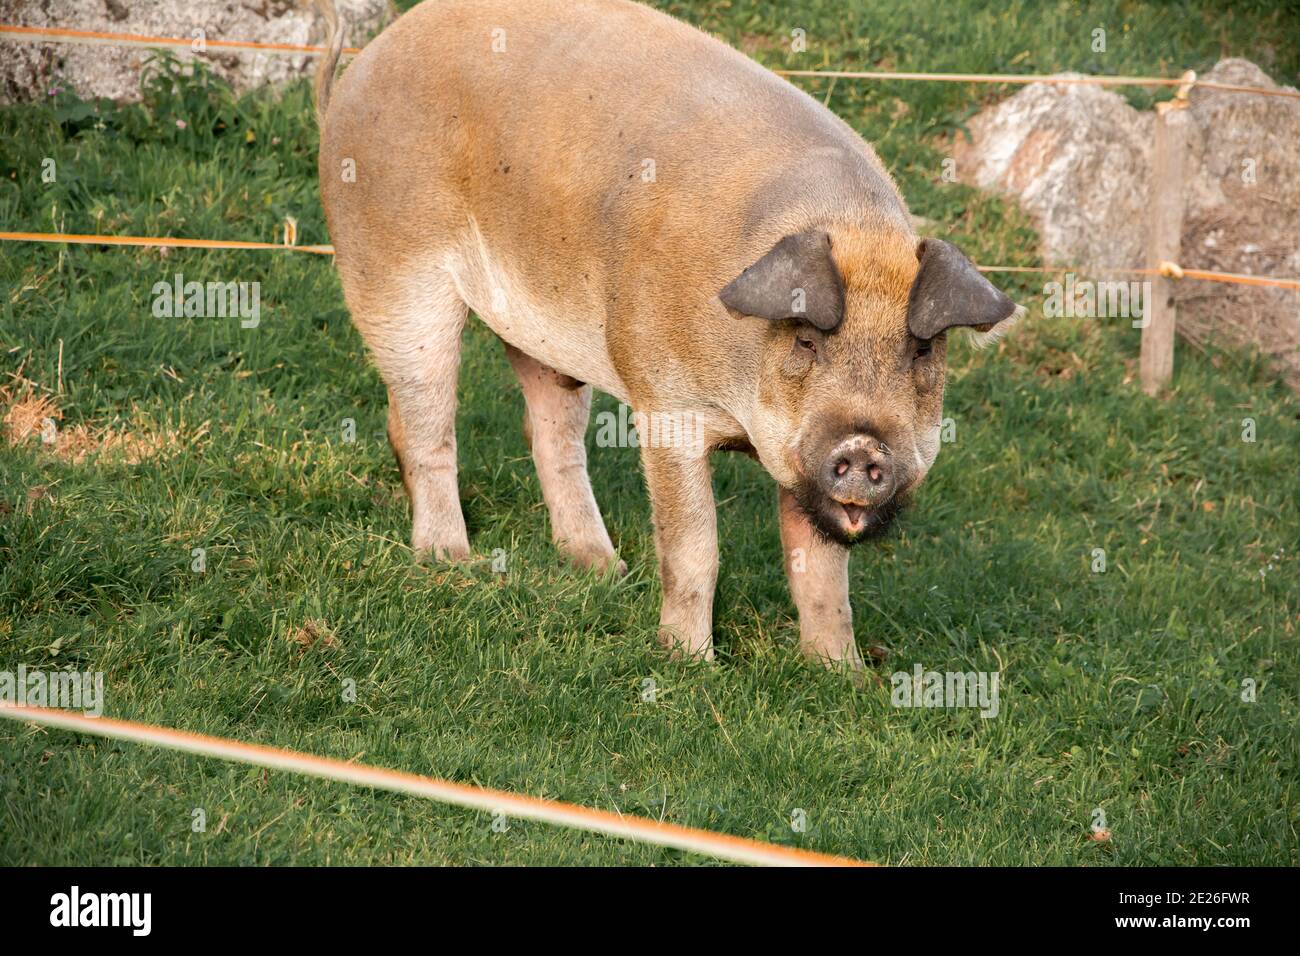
571,340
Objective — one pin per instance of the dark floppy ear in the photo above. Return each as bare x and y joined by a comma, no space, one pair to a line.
949,291
797,279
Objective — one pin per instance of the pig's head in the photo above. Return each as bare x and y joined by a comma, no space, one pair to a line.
851,381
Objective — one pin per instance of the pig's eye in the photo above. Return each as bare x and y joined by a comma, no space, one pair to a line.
807,344
920,351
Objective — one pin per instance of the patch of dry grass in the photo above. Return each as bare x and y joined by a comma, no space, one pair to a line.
313,633
31,412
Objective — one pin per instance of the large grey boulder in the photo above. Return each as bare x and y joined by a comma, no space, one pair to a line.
29,70
1243,215
1077,159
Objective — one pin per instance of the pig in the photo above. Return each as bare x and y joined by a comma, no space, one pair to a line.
633,206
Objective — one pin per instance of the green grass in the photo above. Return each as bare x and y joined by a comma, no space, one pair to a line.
1121,690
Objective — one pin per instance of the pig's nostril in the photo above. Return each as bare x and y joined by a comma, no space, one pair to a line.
857,469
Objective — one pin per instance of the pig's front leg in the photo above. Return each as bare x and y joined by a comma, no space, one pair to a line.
686,539
818,571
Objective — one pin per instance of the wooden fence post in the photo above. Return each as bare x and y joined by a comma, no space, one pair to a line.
1164,240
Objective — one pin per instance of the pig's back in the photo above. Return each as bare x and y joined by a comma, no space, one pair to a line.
556,115
562,148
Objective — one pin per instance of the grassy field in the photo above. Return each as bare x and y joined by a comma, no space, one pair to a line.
1122,690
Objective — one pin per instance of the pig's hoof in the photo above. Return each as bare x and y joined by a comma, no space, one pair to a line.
602,562
452,552
849,665
682,650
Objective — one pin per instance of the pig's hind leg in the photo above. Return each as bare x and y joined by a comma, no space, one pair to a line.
555,426
413,329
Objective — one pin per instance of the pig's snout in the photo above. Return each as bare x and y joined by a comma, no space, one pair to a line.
852,492
859,472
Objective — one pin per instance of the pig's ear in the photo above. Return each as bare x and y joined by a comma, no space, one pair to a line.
797,279
949,291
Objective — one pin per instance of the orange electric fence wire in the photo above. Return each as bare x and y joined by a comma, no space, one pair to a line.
23,34
718,845
61,35
1025,78
159,242
1168,269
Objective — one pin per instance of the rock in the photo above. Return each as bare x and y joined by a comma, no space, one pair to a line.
29,70
1243,216
1078,159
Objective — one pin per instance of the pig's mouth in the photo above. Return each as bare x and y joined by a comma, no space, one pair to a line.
847,523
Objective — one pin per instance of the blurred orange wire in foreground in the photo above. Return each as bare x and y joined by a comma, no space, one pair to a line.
719,845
